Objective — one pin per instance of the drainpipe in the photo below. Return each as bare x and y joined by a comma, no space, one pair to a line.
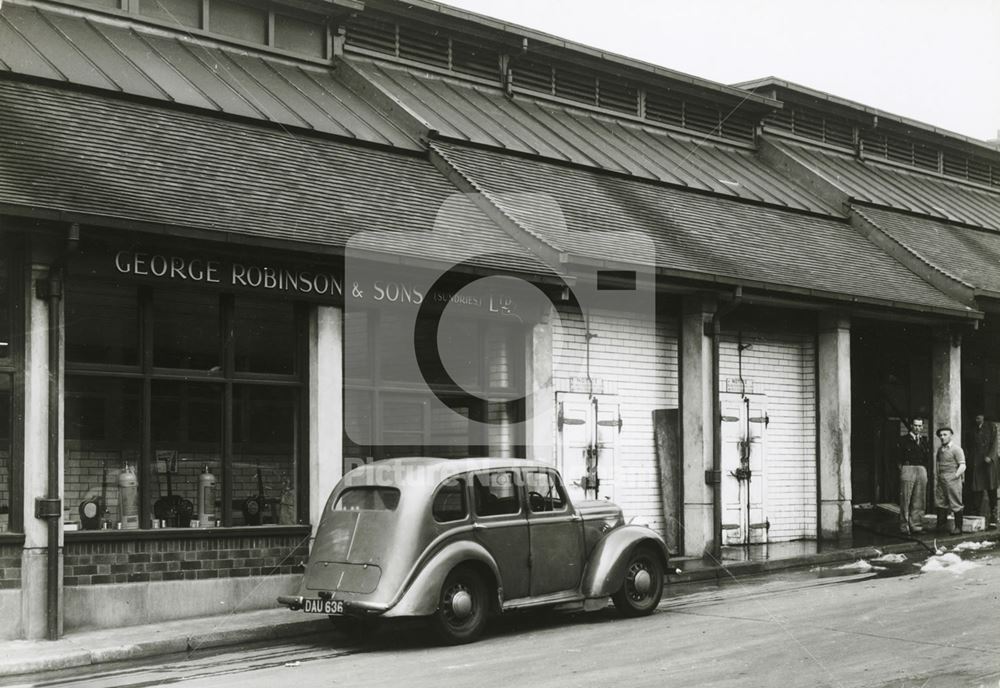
50,507
716,332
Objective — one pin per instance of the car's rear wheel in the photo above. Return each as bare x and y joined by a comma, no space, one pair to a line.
463,608
642,588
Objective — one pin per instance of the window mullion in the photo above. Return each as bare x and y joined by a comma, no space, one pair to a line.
144,469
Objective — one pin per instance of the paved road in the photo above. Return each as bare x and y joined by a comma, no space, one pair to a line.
828,627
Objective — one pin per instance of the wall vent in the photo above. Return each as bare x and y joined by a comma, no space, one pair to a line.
475,60
425,45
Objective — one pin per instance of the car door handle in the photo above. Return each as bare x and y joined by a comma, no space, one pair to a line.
478,527
576,517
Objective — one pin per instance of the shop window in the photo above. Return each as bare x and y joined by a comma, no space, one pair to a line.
391,410
186,331
103,421
218,446
264,435
102,325
236,20
262,330
176,12
5,307
10,335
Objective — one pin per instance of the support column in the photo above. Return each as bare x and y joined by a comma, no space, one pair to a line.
326,406
540,412
697,424
834,461
34,558
946,384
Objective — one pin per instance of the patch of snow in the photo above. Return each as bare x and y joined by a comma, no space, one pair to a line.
950,562
972,546
891,559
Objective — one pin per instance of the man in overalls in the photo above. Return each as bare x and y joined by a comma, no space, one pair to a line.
913,454
948,487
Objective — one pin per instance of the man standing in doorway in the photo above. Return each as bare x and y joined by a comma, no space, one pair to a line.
983,468
914,453
948,487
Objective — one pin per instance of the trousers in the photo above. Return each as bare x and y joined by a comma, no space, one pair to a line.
912,496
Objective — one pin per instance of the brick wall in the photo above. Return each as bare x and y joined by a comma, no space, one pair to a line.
636,362
140,560
10,566
780,364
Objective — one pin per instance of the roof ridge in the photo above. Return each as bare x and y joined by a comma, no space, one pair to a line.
437,148
919,256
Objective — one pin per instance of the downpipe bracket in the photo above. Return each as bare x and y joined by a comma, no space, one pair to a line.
48,507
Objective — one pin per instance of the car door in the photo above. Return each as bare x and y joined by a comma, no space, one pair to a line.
555,532
501,526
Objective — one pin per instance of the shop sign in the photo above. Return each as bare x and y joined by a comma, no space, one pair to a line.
225,273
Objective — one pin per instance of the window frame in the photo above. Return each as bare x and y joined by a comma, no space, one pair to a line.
12,246
227,378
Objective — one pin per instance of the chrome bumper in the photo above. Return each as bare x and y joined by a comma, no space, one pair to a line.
293,602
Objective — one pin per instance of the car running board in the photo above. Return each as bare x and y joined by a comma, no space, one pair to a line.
543,600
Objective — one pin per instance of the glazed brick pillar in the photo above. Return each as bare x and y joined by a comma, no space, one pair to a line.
834,461
540,414
326,406
697,423
946,381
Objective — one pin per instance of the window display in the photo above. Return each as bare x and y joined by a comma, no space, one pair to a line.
182,409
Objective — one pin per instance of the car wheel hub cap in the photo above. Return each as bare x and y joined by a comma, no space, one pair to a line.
643,582
461,604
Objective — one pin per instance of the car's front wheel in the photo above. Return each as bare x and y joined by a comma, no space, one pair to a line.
463,608
642,588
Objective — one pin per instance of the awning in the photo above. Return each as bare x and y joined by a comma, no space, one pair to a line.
94,159
698,236
886,185
481,114
97,52
969,254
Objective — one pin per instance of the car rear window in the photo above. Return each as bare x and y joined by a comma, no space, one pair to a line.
449,502
368,499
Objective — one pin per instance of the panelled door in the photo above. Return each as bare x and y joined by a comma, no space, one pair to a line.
588,427
744,421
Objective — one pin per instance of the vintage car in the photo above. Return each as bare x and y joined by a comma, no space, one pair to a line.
460,540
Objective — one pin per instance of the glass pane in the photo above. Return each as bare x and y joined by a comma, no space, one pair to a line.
5,307
402,424
496,493
187,449
102,324
265,432
368,499
357,348
460,349
186,331
238,21
103,427
176,12
449,502
264,336
357,426
543,492
395,349
6,428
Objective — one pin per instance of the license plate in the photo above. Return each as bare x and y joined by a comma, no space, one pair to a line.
314,606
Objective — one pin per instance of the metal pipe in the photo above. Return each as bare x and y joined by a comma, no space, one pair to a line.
53,294
54,298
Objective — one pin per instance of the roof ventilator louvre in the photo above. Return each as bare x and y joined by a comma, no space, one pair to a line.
372,34
737,126
615,95
475,61
663,107
425,45
702,117
575,86
534,76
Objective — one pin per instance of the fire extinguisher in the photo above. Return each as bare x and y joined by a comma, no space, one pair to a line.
128,499
206,498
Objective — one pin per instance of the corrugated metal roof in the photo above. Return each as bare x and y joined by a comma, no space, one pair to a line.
481,114
970,254
88,155
99,52
695,235
886,185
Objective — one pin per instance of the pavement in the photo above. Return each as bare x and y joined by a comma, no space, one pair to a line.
85,648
